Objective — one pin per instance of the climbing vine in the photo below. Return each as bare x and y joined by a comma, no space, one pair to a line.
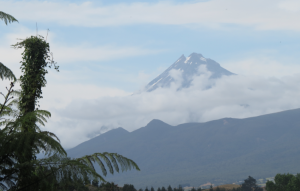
35,59
21,139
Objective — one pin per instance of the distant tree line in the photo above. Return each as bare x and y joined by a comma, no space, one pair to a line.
282,182
248,185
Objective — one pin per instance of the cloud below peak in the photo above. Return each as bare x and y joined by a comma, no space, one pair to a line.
234,96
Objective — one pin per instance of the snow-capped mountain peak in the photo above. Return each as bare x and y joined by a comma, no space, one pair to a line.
189,67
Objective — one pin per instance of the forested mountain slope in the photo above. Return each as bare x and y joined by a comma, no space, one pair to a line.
220,151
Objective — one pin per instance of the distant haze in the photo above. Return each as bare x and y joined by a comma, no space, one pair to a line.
214,94
109,51
220,151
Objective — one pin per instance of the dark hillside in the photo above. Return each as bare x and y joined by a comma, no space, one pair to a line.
219,151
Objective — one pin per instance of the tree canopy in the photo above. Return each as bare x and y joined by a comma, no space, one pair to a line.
21,136
250,185
284,182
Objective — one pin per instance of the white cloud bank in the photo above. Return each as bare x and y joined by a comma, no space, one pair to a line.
263,15
234,96
262,66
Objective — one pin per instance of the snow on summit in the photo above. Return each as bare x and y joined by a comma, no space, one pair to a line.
188,67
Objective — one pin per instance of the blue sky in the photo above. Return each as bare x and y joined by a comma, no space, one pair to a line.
113,48
154,45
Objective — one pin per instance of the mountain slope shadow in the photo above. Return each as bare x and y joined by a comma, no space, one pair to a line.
219,151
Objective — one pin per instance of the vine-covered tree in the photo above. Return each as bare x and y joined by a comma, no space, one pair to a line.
21,138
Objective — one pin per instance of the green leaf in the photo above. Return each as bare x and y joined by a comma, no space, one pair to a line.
6,73
7,18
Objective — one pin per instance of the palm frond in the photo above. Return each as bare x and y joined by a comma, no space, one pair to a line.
16,93
54,169
39,116
112,161
7,18
17,142
6,73
50,134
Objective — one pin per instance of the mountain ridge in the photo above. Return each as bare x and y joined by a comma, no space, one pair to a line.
219,151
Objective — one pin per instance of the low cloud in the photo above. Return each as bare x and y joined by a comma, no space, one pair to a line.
262,15
235,96
68,54
265,66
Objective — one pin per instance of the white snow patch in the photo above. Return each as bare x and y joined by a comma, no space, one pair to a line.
179,60
187,59
203,59
156,82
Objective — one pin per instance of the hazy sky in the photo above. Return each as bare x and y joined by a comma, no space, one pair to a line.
107,50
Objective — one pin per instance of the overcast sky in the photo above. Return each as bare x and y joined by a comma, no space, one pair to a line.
108,50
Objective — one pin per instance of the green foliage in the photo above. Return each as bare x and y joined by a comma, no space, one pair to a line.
6,73
180,188
71,184
146,189
7,18
109,186
250,185
169,188
128,187
95,183
36,57
18,148
21,138
14,149
284,182
151,189
111,159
